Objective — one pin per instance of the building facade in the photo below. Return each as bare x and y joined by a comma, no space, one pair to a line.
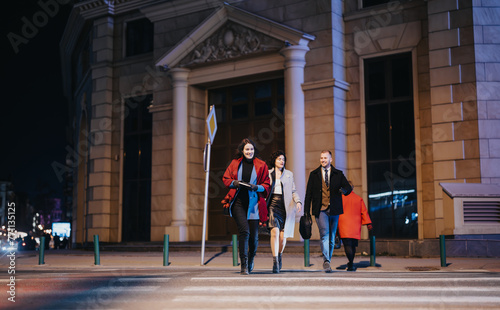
406,95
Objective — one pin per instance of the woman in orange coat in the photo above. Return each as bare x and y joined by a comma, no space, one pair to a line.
355,215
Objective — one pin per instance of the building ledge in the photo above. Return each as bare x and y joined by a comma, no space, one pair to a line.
469,190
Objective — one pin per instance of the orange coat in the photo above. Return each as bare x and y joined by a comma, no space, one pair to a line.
355,215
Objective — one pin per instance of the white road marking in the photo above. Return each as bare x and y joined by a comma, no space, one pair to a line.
133,279
462,300
315,288
333,278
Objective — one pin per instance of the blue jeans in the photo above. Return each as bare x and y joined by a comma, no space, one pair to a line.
327,225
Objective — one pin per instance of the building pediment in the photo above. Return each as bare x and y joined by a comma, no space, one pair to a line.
230,33
232,40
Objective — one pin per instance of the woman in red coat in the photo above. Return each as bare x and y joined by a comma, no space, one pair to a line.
247,178
355,215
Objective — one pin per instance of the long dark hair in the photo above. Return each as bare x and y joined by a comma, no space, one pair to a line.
272,161
241,146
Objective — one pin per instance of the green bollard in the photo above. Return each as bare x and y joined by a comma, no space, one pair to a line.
235,250
306,253
165,250
372,251
41,251
97,260
442,250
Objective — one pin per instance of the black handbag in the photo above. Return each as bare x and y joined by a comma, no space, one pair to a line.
305,226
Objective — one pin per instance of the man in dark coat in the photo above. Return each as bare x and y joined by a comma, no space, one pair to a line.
324,193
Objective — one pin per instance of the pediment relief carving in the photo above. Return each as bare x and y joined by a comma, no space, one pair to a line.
229,42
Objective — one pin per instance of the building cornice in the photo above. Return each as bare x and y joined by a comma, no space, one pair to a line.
165,10
97,8
326,84
160,107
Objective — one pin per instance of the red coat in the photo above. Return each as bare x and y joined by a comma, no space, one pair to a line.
262,172
355,215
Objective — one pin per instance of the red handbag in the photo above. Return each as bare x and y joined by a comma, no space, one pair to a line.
226,204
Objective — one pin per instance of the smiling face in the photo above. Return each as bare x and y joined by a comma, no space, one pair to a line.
248,151
280,162
325,159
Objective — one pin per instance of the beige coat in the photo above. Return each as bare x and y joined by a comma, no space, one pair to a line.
290,197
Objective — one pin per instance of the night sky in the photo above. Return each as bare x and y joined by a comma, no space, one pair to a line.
33,110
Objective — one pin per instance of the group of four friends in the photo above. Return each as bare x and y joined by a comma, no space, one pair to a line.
266,193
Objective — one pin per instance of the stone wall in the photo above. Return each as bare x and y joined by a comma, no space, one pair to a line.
453,98
486,27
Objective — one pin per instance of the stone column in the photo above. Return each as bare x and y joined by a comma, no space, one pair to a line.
101,213
294,114
178,228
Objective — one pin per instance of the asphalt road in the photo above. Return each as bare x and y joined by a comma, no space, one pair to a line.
224,288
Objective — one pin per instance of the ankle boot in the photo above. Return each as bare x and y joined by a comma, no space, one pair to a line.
350,267
275,265
244,266
279,260
250,263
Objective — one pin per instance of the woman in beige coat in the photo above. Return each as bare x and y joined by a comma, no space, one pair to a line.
283,203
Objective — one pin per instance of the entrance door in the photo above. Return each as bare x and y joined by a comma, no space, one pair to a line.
136,215
250,110
390,144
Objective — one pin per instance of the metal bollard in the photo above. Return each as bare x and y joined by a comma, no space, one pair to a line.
442,250
372,251
306,253
41,251
235,250
97,260
165,249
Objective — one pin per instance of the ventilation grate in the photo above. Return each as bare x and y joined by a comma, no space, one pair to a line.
481,211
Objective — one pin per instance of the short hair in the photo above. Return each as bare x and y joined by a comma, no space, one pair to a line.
241,146
327,151
272,159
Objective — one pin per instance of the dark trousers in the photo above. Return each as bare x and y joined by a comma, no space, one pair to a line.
350,248
248,236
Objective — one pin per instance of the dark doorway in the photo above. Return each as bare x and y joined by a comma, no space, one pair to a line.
251,110
136,215
390,144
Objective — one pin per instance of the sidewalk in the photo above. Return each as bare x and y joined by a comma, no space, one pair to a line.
81,259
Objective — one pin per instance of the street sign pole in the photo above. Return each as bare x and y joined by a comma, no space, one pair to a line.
212,129
205,204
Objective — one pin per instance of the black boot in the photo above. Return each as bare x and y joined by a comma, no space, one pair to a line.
275,265
250,262
350,267
244,266
279,260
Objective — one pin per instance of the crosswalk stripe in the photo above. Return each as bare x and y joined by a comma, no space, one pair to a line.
143,279
356,279
462,300
343,288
